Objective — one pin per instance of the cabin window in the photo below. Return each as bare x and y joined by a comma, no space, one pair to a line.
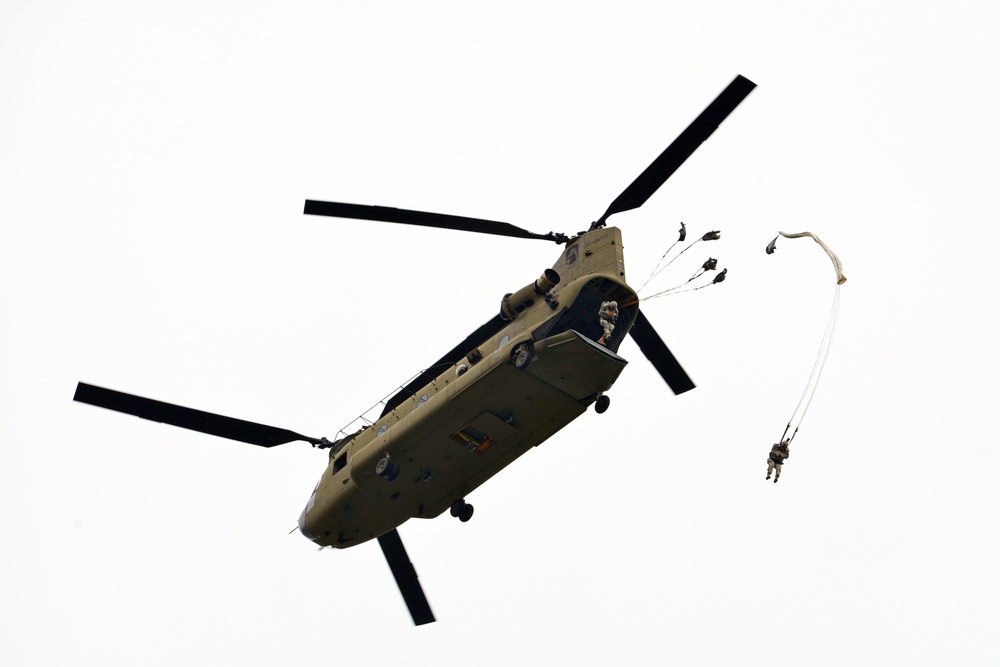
339,463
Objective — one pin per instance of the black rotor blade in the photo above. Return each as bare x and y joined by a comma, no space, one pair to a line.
406,577
656,174
423,219
659,355
189,418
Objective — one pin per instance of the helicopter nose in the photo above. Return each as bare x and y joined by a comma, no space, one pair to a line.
302,526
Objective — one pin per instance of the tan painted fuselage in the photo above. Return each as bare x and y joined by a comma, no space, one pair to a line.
486,409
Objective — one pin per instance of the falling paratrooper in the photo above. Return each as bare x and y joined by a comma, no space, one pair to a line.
779,451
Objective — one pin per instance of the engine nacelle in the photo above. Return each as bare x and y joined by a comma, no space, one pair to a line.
513,304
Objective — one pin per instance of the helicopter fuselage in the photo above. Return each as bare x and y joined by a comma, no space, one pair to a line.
551,352
504,396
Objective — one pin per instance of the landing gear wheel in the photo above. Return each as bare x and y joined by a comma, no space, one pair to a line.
462,510
601,406
522,357
387,468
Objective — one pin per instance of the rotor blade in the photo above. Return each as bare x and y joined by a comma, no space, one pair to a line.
406,577
423,219
656,174
195,420
659,355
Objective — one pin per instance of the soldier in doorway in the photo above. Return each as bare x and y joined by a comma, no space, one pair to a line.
609,316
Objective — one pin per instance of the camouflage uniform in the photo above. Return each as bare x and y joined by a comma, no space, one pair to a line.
608,315
778,455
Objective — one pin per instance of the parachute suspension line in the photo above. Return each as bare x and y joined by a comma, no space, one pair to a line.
667,265
821,356
779,452
708,236
709,265
677,290
682,234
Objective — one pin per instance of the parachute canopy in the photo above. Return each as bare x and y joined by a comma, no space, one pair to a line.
837,266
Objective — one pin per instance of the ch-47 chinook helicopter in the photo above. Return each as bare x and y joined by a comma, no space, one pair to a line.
511,384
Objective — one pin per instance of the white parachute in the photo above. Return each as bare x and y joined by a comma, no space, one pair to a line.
837,266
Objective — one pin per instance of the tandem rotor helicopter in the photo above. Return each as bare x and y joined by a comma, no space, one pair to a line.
547,356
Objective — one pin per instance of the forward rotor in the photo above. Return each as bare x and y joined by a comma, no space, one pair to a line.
634,196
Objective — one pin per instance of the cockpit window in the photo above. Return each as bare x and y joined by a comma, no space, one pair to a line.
339,463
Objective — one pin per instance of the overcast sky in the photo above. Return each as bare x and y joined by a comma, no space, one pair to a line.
153,166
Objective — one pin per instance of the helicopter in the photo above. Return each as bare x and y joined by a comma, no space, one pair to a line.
549,354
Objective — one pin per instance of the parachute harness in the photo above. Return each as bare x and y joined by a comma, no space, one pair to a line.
779,452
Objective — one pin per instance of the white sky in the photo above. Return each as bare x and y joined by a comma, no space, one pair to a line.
153,166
